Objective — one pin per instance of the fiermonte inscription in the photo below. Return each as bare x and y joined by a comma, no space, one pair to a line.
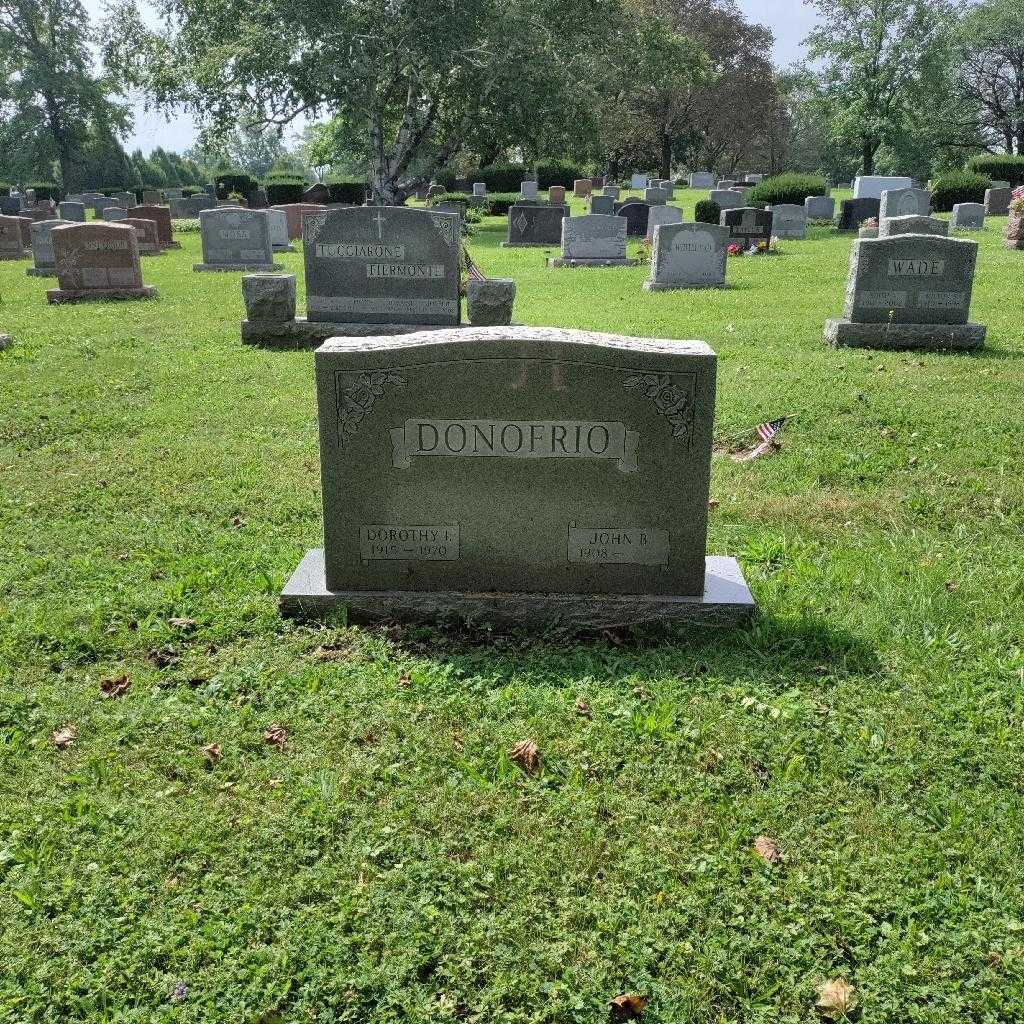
515,439
417,271
409,543
634,545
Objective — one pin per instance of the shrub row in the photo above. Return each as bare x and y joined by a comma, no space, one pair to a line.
999,167
787,188
959,187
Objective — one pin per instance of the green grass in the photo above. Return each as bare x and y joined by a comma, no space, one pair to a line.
391,864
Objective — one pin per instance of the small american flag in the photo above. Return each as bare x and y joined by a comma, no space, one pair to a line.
474,272
766,435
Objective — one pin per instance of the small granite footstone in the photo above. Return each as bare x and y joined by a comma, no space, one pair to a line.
269,298
517,476
489,302
912,226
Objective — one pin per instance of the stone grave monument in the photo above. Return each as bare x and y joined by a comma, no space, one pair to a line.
43,258
968,217
820,207
235,239
71,211
997,201
688,256
160,214
912,226
636,213
658,215
727,199
147,235
534,226
604,205
789,222
12,242
853,213
97,260
596,240
872,186
905,202
277,225
748,226
702,180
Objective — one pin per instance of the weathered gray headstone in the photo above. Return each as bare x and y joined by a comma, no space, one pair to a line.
126,199
71,211
489,302
872,186
688,256
528,190
582,187
912,226
479,188
160,214
997,201
97,260
909,292
748,226
382,265
596,240
725,184
853,212
728,199
612,191
114,213
516,475
968,217
152,197
638,182
655,196
147,235
43,257
789,222
820,207
277,225
235,239
269,298
602,205
702,180
659,215
12,243
636,213
556,195
905,202
535,225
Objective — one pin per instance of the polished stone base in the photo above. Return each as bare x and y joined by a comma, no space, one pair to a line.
655,286
726,601
303,333
283,248
41,271
58,295
200,268
25,254
593,263
906,337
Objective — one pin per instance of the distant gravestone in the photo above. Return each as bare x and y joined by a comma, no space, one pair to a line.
702,180
177,193
853,212
160,214
820,207
12,244
277,226
97,261
636,213
658,215
872,186
909,292
612,192
997,201
582,187
912,226
638,182
146,234
688,256
189,209
479,188
727,199
753,179
429,441
318,194
726,183
43,258
603,205
556,195
655,196
905,202
71,211
596,240
528,190
535,225
114,213
789,222
296,214
235,239
382,265
748,225
126,199
968,217
152,197
10,206
597,181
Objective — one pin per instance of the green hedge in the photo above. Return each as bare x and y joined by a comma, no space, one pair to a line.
353,192
998,167
558,173
499,203
282,192
707,212
959,187
787,188
45,190
235,181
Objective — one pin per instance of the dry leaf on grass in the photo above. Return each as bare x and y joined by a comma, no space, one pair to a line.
404,680
277,735
768,850
115,687
583,709
836,999
526,754
163,657
63,737
629,1006
179,622
212,752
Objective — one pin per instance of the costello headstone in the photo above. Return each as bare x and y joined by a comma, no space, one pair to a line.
235,239
748,226
688,256
602,205
909,292
853,213
905,202
658,215
516,475
147,235
820,207
789,222
912,226
43,257
535,225
71,211
596,240
997,201
12,243
636,213
968,217
160,214
97,261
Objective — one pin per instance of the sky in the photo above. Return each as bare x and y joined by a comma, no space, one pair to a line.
789,20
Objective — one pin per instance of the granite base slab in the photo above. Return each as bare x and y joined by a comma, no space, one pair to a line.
201,268
41,271
655,286
25,254
727,601
559,263
58,295
531,245
906,337
283,248
303,333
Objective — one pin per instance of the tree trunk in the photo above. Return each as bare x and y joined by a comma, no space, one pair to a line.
666,155
868,160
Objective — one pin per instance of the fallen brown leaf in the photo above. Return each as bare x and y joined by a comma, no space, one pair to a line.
178,622
768,849
713,503
115,687
629,1006
277,735
836,999
212,752
526,754
63,737
237,521
583,709
404,680
163,657
330,653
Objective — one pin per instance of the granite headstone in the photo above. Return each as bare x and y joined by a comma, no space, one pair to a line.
688,256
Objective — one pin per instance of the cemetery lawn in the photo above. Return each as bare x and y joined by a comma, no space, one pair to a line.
389,862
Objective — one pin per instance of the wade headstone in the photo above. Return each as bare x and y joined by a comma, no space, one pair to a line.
967,217
596,240
12,244
909,292
748,226
853,213
688,256
658,215
820,207
635,212
235,239
516,476
912,226
43,258
905,202
97,261
535,225
997,201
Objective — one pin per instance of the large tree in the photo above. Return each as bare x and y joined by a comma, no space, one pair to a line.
411,80
880,65
53,106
